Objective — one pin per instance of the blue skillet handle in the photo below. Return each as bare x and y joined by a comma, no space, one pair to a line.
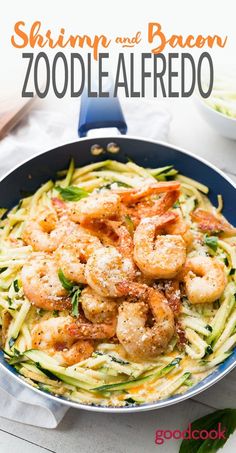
96,113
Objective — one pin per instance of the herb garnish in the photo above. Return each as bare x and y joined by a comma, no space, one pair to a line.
74,291
211,241
72,193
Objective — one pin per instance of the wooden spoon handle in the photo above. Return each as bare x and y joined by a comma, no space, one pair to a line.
10,118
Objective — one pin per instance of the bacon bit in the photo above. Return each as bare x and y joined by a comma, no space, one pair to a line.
208,222
59,205
61,346
114,340
182,340
172,293
6,320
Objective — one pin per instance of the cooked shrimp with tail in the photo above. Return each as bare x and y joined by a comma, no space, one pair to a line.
74,252
41,284
46,232
97,206
106,268
140,339
156,254
96,308
205,279
52,336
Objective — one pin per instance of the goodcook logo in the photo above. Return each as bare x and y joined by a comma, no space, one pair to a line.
162,435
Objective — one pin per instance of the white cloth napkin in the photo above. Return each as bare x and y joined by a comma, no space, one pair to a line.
44,129
40,131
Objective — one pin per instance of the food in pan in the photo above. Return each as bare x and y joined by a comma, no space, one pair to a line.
117,284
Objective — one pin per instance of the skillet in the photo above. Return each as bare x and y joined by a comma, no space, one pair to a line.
101,113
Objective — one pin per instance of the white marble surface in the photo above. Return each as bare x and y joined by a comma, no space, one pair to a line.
83,432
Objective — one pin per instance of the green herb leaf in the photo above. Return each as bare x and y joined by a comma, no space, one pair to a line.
129,224
232,272
55,313
40,311
176,204
223,421
72,193
74,291
16,286
75,302
212,242
67,284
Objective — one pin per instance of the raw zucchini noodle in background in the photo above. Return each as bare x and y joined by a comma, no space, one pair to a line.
108,376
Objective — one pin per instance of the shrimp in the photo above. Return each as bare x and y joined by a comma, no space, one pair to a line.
97,309
41,284
208,222
74,252
180,226
205,279
97,206
46,232
150,207
138,339
106,268
82,330
131,196
124,242
52,336
160,256
112,232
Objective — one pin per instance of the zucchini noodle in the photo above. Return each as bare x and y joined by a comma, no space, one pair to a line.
108,377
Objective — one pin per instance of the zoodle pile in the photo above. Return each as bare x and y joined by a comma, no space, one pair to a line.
117,284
